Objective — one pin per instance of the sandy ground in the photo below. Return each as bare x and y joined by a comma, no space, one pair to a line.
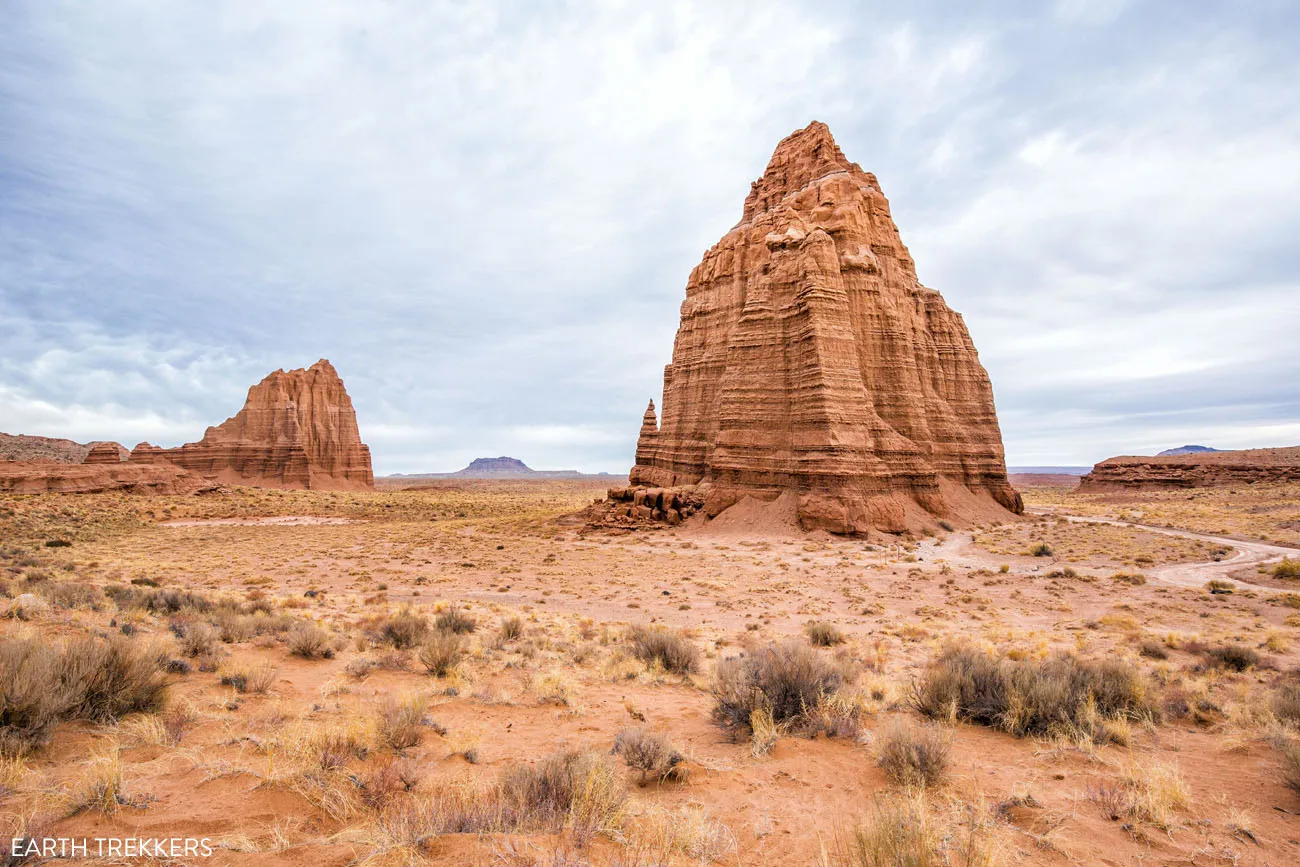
497,550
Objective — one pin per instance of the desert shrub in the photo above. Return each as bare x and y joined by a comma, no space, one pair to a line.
114,677
87,678
1285,702
912,755
785,680
382,785
573,788
196,638
1030,697
650,753
454,620
310,642
512,628
71,594
1152,649
822,634
1137,579
1218,587
1042,549
404,629
400,720
670,648
441,652
33,698
158,601
1288,569
1290,750
1234,657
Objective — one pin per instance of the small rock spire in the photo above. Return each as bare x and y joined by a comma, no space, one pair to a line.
649,421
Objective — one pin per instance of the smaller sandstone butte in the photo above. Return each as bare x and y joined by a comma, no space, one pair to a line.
1196,470
811,364
297,430
105,453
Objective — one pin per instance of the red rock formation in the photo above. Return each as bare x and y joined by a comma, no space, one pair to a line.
297,430
810,359
104,453
48,449
28,477
1197,470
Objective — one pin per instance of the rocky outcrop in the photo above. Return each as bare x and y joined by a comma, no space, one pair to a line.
1195,470
810,359
28,477
297,430
21,447
106,453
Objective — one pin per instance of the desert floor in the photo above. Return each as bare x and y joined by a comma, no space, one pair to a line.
359,679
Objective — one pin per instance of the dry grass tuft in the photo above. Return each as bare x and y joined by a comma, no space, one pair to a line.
904,832
442,652
400,721
822,634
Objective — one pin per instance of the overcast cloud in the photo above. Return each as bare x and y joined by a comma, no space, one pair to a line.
484,213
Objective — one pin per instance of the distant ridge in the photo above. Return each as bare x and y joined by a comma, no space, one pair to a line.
1185,450
1048,471
502,468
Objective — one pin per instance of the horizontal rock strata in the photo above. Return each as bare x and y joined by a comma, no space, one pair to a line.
810,359
1198,470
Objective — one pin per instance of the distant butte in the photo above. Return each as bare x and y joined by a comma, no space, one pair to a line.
811,363
1198,469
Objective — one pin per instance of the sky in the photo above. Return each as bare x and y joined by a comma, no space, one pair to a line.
484,213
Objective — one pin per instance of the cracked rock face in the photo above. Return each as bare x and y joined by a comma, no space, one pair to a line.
297,430
810,359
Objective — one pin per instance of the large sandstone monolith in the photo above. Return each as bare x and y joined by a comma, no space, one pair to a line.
810,359
297,430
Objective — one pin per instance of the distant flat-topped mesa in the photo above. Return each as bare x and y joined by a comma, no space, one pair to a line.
1194,470
297,430
810,361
